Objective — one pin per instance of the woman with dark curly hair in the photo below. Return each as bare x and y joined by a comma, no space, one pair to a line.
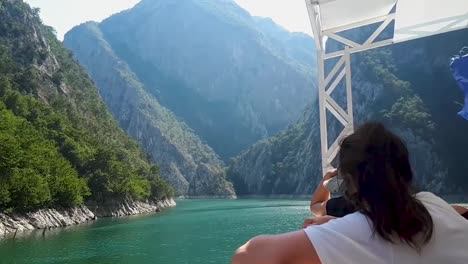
392,224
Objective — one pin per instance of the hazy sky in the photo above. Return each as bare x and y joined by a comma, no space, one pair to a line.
65,14
290,14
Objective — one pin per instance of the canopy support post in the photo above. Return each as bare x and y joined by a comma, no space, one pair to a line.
325,84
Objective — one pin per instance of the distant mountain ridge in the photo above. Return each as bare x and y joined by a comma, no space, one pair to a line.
189,79
231,77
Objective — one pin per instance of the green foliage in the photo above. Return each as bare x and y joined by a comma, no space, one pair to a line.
401,105
66,188
58,143
4,193
160,189
27,189
381,70
137,188
410,111
33,173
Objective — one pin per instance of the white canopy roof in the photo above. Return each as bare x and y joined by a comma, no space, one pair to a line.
421,18
413,18
339,13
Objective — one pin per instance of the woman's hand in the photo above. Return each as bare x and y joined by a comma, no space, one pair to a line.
317,220
330,174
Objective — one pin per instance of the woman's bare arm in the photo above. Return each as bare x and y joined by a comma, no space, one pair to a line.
289,248
321,196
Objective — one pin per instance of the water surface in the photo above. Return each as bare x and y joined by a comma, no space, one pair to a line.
196,231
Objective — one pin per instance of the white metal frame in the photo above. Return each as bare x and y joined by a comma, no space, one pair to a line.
342,68
326,87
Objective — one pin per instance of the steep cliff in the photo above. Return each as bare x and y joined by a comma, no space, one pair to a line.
408,87
288,163
231,77
186,162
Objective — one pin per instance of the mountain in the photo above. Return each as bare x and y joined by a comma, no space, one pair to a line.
285,164
186,162
232,78
408,87
59,146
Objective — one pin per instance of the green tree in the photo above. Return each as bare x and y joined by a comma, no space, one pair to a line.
65,186
28,189
160,189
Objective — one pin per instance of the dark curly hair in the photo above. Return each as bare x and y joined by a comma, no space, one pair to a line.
378,180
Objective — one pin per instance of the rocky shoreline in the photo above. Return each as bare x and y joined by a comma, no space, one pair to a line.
209,197
53,218
277,196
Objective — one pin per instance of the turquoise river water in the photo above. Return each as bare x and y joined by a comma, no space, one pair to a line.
196,231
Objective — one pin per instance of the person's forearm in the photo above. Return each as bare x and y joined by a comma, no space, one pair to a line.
320,195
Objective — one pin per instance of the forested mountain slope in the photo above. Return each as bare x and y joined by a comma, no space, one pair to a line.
59,146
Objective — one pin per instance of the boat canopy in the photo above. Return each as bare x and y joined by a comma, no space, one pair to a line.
410,19
422,18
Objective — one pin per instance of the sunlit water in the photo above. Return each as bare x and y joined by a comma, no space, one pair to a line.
196,231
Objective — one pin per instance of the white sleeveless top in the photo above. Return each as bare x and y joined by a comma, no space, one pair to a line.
350,239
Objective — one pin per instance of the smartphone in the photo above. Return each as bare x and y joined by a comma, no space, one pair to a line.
333,185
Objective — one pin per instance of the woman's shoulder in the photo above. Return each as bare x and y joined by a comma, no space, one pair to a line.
427,196
349,239
442,213
431,200
354,226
